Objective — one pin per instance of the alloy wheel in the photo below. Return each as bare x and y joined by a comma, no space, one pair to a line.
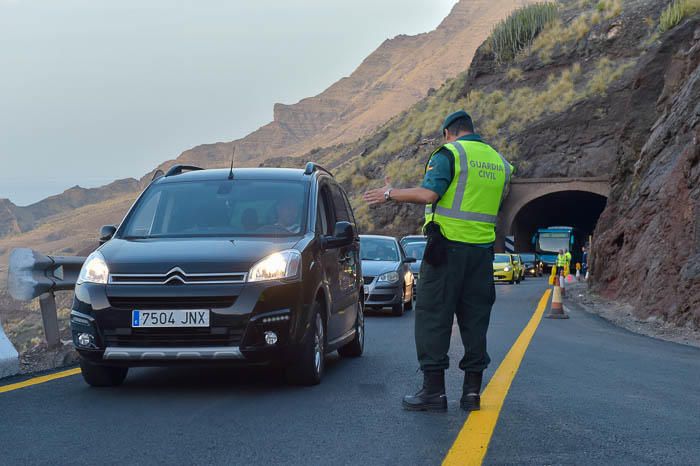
318,344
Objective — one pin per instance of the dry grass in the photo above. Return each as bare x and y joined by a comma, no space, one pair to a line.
561,35
676,12
606,72
514,74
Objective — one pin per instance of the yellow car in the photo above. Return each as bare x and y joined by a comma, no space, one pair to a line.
519,267
504,270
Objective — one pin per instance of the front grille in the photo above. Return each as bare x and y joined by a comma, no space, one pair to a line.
172,302
171,337
174,277
368,280
380,298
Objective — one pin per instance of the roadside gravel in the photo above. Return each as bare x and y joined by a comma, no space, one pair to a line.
623,315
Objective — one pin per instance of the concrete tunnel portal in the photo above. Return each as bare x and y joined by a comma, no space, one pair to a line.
537,203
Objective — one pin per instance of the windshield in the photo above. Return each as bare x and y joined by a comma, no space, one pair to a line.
379,249
218,208
528,257
415,249
553,242
501,259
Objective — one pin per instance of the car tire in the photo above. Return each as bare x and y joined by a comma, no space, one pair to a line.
398,308
308,368
408,306
97,375
355,348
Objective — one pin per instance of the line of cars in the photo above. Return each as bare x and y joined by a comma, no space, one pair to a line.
514,267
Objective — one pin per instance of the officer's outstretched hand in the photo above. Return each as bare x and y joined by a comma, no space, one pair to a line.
376,196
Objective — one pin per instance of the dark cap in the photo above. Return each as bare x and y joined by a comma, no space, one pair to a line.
454,117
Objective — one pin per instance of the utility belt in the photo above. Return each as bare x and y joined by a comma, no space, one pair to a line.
436,248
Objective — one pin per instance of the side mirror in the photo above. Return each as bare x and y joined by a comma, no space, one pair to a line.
343,235
106,233
409,260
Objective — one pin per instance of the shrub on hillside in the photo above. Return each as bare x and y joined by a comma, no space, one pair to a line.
676,11
517,32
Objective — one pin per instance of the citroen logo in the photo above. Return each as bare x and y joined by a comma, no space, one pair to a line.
174,275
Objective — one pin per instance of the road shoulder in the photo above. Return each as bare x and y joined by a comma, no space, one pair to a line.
623,315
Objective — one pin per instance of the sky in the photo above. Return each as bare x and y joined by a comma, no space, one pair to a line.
92,90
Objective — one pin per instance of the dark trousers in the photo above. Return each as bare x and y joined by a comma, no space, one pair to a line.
463,287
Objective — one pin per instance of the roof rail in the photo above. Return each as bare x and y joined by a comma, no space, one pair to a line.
177,169
157,174
313,166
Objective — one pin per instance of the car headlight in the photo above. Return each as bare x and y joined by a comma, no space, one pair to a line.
283,264
94,270
389,277
506,269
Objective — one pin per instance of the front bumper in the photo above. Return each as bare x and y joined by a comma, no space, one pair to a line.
502,276
382,295
239,317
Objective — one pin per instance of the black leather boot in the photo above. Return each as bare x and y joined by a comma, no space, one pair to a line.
471,401
431,397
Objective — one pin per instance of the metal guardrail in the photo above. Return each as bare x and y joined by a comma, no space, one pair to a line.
34,275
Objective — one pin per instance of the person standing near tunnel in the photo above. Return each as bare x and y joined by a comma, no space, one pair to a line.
464,184
561,262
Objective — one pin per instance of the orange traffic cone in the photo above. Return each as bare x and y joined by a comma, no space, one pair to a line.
562,284
556,311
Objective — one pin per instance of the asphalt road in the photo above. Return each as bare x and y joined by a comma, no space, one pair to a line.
586,393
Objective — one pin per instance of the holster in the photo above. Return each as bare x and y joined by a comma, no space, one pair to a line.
436,248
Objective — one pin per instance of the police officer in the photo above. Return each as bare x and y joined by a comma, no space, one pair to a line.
464,183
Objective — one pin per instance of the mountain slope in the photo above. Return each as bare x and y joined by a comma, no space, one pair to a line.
396,75
391,79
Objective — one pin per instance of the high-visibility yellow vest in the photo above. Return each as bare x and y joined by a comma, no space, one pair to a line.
468,209
568,257
561,260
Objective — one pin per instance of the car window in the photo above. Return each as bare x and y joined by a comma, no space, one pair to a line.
144,218
349,209
501,259
324,212
219,208
339,206
415,249
379,249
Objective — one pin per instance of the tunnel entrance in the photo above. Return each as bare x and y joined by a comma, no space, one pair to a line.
579,209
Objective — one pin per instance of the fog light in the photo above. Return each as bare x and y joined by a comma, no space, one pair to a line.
270,338
85,339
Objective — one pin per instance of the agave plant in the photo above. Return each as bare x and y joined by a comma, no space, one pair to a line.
518,30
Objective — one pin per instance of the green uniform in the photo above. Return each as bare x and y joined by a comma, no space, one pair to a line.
470,178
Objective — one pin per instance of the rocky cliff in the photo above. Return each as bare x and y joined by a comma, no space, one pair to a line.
647,247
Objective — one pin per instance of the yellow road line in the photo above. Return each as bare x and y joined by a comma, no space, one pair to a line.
473,440
38,380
